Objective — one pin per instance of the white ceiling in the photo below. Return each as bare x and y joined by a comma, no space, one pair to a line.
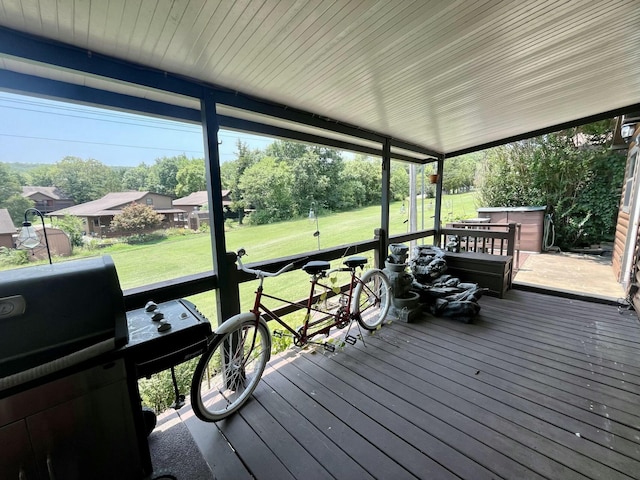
446,75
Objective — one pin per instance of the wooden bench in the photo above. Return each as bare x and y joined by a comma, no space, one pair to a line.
482,237
489,271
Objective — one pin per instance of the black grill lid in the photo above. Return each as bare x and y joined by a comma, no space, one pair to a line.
50,311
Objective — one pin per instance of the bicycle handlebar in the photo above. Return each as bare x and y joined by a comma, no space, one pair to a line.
260,273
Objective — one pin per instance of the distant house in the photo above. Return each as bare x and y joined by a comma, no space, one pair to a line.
193,204
47,199
7,229
197,200
98,214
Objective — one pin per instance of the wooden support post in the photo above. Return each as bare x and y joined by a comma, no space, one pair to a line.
380,251
513,246
511,240
228,297
437,214
383,232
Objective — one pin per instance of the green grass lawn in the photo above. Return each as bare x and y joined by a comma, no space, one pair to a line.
177,256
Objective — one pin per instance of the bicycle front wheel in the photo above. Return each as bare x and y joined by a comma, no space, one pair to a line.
229,371
371,299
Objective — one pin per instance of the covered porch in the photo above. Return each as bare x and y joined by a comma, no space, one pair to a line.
537,386
415,83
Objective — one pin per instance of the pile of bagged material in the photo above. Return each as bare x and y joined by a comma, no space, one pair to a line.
442,294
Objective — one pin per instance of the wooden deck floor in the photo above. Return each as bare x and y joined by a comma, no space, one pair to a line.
536,387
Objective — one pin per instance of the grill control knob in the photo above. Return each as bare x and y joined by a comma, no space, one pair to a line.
164,326
150,306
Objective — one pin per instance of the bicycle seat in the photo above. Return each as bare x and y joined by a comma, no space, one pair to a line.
316,266
353,262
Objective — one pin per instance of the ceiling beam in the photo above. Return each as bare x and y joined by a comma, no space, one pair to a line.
59,55
554,128
415,148
244,102
50,52
57,90
63,91
285,133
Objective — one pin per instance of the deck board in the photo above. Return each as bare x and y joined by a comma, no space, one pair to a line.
531,369
536,387
323,436
526,400
377,449
253,451
456,432
520,426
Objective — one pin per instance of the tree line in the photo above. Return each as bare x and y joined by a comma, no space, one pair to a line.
287,179
573,173
86,180
277,183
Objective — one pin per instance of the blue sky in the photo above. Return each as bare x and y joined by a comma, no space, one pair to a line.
34,130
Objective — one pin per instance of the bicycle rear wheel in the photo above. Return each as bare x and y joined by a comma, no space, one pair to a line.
371,299
229,371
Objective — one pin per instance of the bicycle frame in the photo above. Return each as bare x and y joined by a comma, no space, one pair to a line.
304,335
239,349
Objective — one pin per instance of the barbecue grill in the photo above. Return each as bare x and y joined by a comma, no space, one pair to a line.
52,316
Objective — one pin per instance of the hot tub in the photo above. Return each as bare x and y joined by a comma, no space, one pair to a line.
531,220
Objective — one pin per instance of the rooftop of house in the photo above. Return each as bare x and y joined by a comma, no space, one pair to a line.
110,204
197,198
6,224
51,192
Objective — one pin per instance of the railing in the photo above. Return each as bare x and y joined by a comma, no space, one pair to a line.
498,239
206,281
408,237
480,237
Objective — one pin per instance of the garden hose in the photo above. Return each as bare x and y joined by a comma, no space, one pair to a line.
549,229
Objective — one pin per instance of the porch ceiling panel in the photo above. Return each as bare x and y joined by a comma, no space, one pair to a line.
445,75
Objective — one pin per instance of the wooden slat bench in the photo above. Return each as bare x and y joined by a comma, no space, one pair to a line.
490,271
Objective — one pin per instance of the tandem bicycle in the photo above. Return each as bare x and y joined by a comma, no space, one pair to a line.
238,351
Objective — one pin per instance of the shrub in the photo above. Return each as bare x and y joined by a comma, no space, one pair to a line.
11,257
72,226
136,218
578,182
177,232
158,393
142,238
92,244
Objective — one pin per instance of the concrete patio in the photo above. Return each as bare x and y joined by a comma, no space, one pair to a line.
579,274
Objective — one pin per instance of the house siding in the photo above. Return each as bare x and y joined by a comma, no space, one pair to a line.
45,202
6,240
624,227
7,229
618,245
98,214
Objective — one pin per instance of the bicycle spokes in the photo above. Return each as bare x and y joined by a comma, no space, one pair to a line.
229,371
239,356
373,299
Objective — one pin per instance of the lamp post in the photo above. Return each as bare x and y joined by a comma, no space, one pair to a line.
314,215
28,238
